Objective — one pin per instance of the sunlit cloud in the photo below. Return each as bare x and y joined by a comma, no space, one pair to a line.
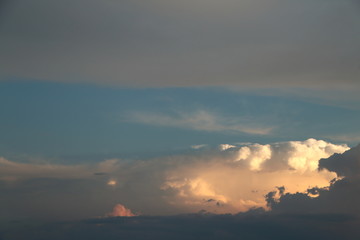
120,211
238,178
199,146
225,179
224,147
19,171
340,197
112,182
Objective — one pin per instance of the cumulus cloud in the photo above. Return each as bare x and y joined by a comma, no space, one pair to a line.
354,137
120,211
224,147
346,164
200,120
239,177
226,179
341,197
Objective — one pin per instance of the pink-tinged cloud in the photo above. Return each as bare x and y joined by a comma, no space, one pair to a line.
121,211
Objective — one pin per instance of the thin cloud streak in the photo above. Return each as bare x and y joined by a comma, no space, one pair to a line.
345,138
201,121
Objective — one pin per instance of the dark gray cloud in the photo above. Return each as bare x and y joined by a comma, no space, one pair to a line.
342,197
346,164
252,225
311,44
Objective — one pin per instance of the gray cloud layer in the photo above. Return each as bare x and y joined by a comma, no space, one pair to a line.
156,43
254,226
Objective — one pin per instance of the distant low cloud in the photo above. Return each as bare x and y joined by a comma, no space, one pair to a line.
14,171
200,226
120,211
227,179
201,121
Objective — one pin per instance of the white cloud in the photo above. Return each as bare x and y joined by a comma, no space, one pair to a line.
224,147
199,146
239,177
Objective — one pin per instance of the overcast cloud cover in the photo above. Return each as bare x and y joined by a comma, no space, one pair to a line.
158,43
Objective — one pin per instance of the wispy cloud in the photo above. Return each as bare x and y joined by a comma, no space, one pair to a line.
201,121
345,138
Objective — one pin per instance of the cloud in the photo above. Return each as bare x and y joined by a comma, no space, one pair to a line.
247,44
345,138
236,179
341,197
251,225
12,171
346,164
224,147
120,211
199,146
239,177
201,121
111,182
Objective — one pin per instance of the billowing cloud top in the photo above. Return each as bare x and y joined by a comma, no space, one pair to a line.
121,211
346,164
341,198
227,179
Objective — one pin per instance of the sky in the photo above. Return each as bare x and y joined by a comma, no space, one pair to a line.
138,119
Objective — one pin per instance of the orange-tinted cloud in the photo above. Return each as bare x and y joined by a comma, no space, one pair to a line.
238,178
120,211
227,179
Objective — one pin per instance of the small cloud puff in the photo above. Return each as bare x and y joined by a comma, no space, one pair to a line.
120,211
